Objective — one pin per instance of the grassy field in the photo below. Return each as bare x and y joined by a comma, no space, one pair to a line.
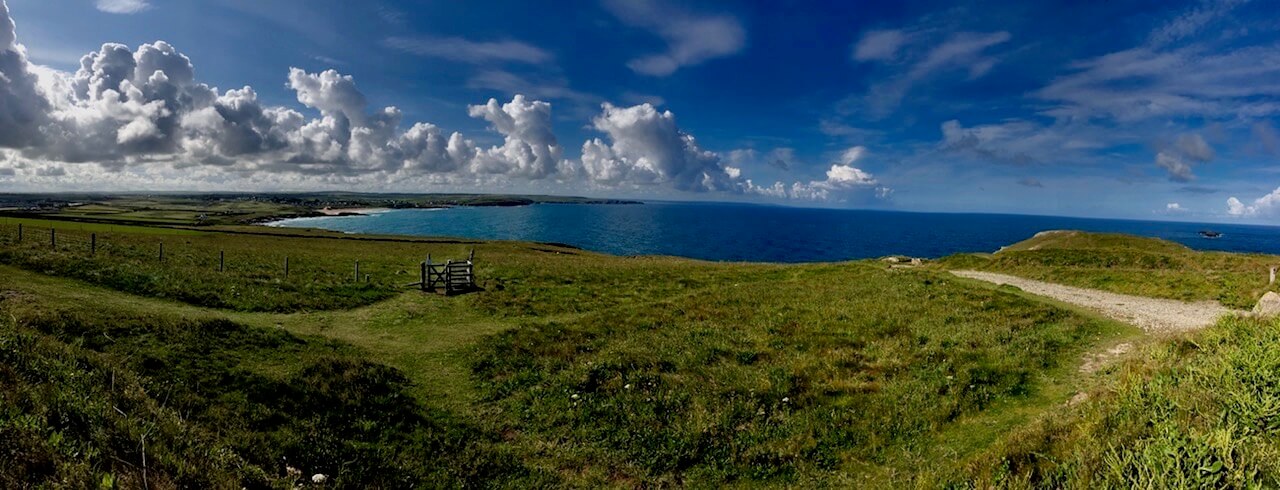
577,369
568,369
1131,265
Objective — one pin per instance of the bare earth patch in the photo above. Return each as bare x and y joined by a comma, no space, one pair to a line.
1153,315
1097,360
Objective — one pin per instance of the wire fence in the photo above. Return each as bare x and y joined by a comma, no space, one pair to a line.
179,252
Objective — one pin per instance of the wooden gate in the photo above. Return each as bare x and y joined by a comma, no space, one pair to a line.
452,276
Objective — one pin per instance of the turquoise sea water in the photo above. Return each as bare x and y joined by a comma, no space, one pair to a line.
741,232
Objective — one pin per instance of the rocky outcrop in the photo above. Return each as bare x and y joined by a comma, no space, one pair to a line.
1269,305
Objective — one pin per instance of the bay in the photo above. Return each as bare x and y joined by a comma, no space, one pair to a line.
760,233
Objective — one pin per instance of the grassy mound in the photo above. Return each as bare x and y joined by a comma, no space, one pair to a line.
1080,240
1130,265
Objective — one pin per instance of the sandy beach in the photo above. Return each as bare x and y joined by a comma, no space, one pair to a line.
350,211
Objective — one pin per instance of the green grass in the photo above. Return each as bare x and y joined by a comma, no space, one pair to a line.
824,372
321,272
861,353
1130,265
322,267
39,228
1201,411
173,211
584,370
219,404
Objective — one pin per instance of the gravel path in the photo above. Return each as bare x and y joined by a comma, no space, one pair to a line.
1149,314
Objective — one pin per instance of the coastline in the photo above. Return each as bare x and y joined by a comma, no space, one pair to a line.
324,214
352,211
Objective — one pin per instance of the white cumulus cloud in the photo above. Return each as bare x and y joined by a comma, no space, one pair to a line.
529,149
646,148
1262,206
841,178
146,108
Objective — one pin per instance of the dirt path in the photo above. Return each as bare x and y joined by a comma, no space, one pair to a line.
1150,314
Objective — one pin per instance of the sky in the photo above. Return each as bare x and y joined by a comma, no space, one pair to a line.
1121,109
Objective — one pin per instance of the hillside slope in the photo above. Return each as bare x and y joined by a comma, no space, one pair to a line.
584,370
569,368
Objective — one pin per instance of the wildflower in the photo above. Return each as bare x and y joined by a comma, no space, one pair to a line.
319,478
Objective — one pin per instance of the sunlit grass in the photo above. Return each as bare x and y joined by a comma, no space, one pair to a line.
579,369
1131,265
1201,411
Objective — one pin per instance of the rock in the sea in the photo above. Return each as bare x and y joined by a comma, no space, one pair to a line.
1269,305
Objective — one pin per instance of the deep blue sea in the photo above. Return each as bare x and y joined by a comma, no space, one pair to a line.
743,232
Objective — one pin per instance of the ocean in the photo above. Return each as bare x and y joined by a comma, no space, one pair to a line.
758,233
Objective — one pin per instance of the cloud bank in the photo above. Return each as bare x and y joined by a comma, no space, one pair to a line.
141,117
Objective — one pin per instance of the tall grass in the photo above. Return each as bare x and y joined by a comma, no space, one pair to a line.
1201,411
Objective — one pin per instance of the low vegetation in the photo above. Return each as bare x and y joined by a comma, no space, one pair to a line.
577,369
96,396
816,372
1200,411
1131,265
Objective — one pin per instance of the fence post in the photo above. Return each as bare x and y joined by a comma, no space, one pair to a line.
366,279
286,267
356,277
162,251
472,256
19,232
423,285
53,238
222,259
93,244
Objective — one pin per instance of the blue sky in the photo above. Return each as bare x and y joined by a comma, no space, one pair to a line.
1140,109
